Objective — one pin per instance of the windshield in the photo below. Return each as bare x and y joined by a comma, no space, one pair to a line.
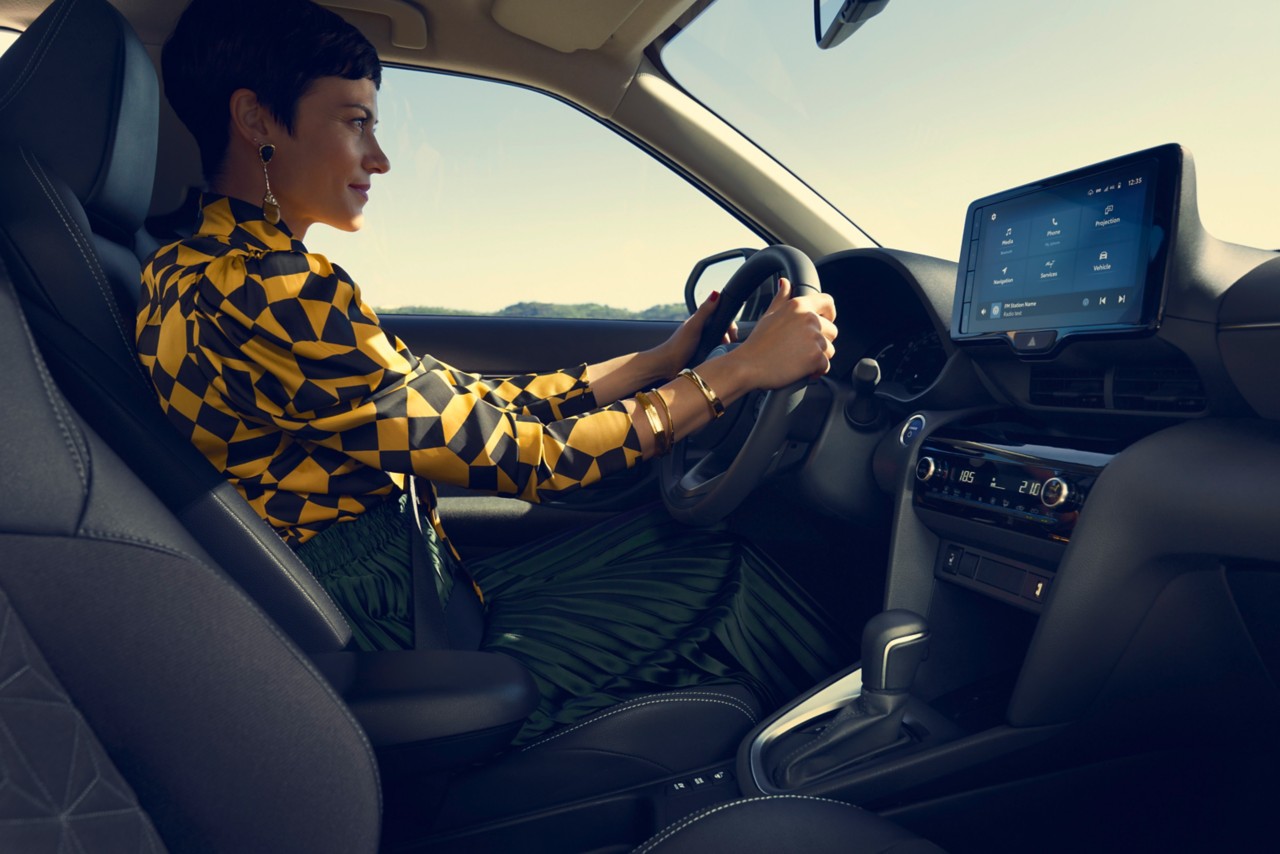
931,105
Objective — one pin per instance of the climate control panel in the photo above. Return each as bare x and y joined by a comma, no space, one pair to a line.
1033,489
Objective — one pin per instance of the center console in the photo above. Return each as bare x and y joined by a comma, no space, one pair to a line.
976,484
1069,268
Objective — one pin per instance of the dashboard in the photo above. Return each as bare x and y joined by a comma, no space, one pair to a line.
1074,426
1008,438
912,363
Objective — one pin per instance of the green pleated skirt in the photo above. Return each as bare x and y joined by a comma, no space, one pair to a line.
600,615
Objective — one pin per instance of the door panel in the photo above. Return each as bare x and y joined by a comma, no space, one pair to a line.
481,524
514,345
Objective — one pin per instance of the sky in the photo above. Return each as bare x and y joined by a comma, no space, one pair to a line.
934,104
498,194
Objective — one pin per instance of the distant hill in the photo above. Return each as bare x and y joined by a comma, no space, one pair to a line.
587,310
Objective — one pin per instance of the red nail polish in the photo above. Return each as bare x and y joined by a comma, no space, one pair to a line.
715,295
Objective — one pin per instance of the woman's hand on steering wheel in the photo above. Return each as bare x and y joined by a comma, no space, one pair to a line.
676,353
792,341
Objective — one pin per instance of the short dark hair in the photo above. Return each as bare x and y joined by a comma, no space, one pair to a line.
276,49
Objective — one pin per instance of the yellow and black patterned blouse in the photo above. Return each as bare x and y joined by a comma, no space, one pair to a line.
266,357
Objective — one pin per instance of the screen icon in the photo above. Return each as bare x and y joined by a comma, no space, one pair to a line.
995,309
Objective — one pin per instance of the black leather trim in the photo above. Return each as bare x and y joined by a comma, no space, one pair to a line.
645,739
786,823
588,732
49,498
407,696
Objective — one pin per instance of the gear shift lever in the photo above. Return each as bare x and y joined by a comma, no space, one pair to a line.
893,645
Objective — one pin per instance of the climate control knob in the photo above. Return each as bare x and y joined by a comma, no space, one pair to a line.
1055,493
926,468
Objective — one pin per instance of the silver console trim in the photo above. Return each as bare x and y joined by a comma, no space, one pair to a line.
836,695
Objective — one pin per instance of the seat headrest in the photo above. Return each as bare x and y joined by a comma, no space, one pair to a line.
78,90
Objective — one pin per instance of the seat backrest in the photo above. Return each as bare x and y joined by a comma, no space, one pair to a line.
79,102
145,701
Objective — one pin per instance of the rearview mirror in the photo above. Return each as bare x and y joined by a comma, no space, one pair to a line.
836,20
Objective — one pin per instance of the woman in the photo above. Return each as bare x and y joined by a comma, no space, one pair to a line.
266,356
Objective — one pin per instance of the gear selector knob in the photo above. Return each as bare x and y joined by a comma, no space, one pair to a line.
893,645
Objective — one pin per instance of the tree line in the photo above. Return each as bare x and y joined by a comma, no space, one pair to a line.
585,310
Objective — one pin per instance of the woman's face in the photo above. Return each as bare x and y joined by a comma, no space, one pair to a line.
321,172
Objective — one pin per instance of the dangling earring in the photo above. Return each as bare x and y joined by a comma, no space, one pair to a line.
270,207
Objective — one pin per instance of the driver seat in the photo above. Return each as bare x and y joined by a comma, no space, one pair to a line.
129,721
79,106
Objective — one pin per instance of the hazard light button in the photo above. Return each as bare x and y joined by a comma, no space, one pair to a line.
1035,342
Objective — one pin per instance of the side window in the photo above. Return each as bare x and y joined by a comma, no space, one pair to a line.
7,37
503,201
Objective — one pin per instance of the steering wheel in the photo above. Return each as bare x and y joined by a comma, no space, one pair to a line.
705,492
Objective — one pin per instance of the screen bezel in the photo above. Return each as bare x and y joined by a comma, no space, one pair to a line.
1163,204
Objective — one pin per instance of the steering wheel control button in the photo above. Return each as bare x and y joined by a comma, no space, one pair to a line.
1035,342
912,429
1055,493
926,469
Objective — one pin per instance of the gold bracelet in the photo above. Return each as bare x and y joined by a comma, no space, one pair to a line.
717,408
671,420
660,438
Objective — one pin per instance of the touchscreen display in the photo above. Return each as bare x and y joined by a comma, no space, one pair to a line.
1061,257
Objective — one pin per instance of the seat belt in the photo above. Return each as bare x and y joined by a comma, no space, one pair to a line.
459,623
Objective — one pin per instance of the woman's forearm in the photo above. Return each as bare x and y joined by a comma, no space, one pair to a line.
620,376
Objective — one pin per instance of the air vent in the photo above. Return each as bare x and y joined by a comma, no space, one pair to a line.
1158,389
1136,388
1074,388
